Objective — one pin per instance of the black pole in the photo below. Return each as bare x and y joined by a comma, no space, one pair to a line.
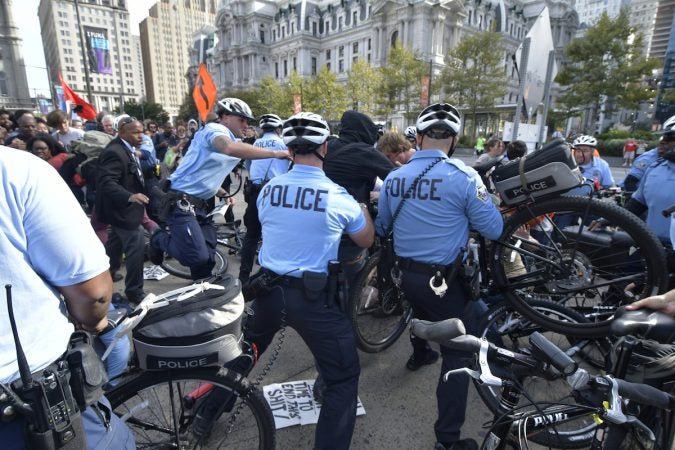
431,71
84,54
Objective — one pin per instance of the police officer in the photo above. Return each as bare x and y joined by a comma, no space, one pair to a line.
59,275
643,162
430,203
411,135
303,215
261,171
655,195
213,154
593,168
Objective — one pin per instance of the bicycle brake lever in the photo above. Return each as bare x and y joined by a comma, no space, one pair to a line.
635,422
472,373
485,376
614,412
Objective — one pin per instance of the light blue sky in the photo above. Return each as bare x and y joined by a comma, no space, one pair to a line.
25,17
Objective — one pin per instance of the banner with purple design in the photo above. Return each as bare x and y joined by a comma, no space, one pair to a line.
98,50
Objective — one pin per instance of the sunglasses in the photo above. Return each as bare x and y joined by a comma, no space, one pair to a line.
125,121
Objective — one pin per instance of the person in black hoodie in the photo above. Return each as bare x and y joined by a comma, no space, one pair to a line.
352,160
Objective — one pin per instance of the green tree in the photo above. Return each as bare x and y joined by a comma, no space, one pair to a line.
363,86
145,110
474,74
188,109
401,85
271,98
606,63
324,95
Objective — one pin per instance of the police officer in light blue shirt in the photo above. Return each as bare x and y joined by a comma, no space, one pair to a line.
212,155
642,163
261,171
430,203
303,215
592,167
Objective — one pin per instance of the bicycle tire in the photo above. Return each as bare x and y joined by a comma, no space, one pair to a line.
152,426
378,319
505,322
236,183
175,268
568,268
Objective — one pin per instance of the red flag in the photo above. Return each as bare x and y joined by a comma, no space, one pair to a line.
85,110
204,93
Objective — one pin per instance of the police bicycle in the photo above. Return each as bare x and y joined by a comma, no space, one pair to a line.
558,245
181,340
593,416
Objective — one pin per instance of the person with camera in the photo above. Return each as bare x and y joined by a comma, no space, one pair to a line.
212,155
58,272
261,171
430,203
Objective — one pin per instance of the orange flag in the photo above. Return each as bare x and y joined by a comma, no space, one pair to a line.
204,93
82,108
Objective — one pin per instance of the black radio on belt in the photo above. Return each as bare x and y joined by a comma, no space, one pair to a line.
44,399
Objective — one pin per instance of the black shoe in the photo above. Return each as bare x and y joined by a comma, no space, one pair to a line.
417,361
155,255
116,276
462,444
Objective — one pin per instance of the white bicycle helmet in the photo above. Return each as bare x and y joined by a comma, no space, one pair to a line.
669,125
305,128
272,121
585,140
439,115
410,133
121,118
236,107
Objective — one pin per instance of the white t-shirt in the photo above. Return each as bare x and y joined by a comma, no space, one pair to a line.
73,134
45,241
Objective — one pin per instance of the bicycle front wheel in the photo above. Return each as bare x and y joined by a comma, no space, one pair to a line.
509,329
159,407
551,251
175,268
378,309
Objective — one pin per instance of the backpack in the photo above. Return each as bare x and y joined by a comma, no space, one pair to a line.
91,145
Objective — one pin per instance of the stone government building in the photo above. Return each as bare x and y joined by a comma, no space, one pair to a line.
258,38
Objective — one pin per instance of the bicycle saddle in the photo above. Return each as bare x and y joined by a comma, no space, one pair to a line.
603,238
645,323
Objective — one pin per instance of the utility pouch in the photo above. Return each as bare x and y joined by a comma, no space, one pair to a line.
258,285
315,284
88,374
248,185
166,206
468,276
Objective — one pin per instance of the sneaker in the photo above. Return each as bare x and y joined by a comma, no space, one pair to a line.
462,444
417,361
155,255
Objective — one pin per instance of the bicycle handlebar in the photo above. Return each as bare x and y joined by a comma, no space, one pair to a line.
552,354
439,332
645,394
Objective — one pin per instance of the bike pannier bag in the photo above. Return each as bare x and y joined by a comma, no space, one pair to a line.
204,330
547,172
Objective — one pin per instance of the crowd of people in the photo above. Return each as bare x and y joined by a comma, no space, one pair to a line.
310,198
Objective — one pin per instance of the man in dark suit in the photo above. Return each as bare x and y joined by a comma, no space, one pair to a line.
121,200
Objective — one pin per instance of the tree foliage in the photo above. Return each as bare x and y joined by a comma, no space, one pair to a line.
145,110
474,74
324,95
272,98
607,62
401,85
363,87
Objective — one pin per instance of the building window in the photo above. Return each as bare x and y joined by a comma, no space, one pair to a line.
274,35
340,23
328,66
295,63
355,47
313,66
341,51
327,55
354,18
354,59
276,70
341,66
326,27
313,28
285,67
262,37
368,44
3,84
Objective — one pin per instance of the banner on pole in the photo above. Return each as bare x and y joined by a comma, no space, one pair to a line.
98,50
424,91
